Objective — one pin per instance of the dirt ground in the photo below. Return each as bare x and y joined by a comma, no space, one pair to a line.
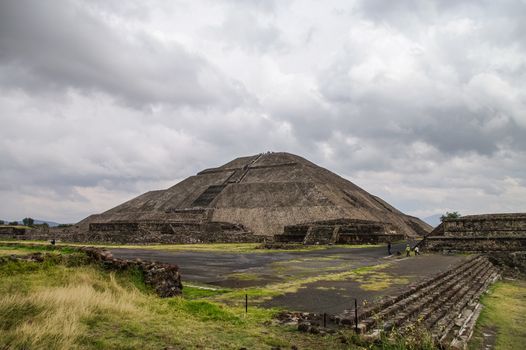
323,284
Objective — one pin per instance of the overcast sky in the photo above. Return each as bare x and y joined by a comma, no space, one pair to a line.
420,102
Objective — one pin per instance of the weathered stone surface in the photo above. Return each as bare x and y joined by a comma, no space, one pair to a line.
344,231
480,233
257,195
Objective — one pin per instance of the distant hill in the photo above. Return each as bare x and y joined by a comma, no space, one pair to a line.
433,220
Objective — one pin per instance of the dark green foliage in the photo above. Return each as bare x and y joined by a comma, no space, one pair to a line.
28,221
448,215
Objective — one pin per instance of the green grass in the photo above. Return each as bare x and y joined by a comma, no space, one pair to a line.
56,305
204,247
505,312
28,248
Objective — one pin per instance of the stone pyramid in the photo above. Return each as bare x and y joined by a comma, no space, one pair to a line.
258,194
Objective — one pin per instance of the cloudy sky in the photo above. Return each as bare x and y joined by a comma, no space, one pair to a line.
420,102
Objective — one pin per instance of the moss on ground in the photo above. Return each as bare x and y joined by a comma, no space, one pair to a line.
504,313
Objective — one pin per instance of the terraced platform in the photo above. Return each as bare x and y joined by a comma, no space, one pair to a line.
441,304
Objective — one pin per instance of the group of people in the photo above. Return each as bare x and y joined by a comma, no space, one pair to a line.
407,250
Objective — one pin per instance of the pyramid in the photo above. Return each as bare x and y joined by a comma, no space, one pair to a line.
259,195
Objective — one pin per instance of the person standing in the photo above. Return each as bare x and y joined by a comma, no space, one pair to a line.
407,251
389,248
417,251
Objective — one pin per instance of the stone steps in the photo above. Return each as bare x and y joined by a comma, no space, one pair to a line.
445,329
434,304
208,195
412,306
389,304
430,315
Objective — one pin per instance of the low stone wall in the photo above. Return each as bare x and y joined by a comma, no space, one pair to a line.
474,244
12,231
368,238
142,233
343,231
511,263
165,279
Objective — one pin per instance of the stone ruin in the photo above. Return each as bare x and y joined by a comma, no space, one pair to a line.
164,279
340,231
249,199
479,233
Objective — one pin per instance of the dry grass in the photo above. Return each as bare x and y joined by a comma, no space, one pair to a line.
54,316
59,307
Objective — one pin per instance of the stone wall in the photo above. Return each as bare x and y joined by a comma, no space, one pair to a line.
343,231
475,244
479,233
141,233
512,263
486,225
11,231
165,279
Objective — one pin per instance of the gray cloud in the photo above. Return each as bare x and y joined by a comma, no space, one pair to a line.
57,46
421,103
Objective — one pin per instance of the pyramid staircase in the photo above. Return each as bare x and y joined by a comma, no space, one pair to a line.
437,304
213,191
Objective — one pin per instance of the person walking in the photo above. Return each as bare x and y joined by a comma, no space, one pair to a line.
417,251
407,251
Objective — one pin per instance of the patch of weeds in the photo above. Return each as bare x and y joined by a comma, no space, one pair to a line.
245,276
205,310
416,338
76,259
135,277
379,281
191,293
16,312
17,267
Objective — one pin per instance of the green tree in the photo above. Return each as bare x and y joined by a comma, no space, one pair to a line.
452,215
28,221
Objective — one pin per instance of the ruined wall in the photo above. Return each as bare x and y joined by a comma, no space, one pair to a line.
143,233
474,244
486,225
480,233
165,279
342,231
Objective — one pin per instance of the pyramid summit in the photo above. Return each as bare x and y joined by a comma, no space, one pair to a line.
246,198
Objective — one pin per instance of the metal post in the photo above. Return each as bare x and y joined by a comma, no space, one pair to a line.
324,320
356,315
246,303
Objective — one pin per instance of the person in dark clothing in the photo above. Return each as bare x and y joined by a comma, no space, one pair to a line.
388,248
52,242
